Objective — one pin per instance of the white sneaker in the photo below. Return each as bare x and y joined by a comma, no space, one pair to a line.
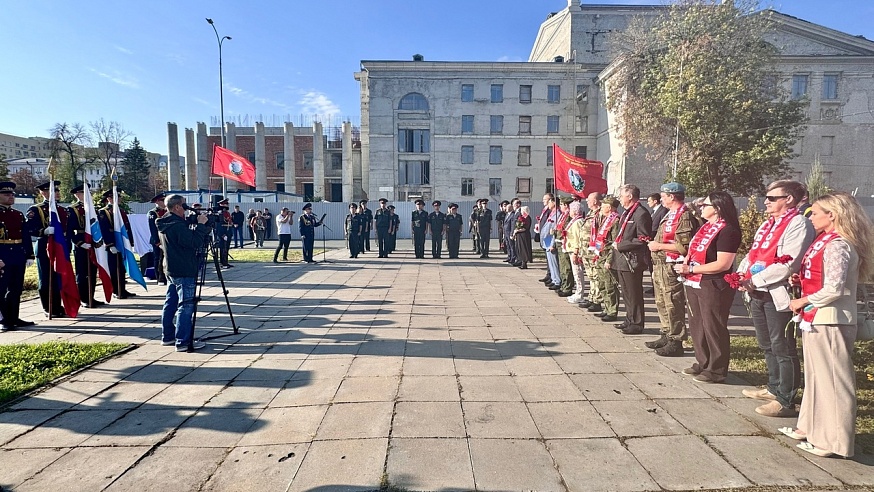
197,345
574,299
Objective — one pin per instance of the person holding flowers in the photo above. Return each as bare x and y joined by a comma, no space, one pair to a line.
841,255
522,237
709,258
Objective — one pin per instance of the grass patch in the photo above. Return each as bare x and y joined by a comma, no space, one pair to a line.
264,255
25,367
748,362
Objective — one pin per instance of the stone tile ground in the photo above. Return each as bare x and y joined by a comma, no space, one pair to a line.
427,375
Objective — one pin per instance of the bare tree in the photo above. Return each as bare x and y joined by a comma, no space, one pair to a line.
111,137
71,146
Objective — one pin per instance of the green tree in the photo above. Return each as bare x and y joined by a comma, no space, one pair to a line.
134,173
696,85
4,168
71,155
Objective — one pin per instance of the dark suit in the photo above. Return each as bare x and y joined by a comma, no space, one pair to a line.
657,217
630,262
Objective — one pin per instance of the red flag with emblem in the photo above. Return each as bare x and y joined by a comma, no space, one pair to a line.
232,166
576,175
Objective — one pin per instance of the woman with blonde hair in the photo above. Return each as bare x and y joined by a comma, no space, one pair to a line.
841,255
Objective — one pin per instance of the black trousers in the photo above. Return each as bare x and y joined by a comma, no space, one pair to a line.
307,244
453,243
419,243
484,239
284,243
366,238
510,246
118,274
382,241
86,274
159,265
44,267
436,245
709,307
11,285
391,242
631,286
225,237
354,243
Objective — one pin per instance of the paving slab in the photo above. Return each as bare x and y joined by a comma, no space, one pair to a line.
369,388
675,470
285,425
707,417
666,385
170,468
567,420
499,420
496,465
14,424
488,388
598,387
248,468
583,363
63,396
301,392
429,388
141,427
19,465
428,419
68,429
67,472
598,464
350,465
773,463
215,427
356,421
638,418
430,464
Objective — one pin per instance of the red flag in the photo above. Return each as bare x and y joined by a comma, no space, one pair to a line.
576,175
232,166
59,258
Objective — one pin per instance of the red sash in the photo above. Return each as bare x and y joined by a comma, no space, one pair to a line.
670,232
625,218
603,231
812,273
560,225
698,250
763,252
593,232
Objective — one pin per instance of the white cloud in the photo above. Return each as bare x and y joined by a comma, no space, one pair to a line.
204,102
315,102
118,78
508,58
249,97
123,50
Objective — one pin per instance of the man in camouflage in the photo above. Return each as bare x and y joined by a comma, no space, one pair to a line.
590,228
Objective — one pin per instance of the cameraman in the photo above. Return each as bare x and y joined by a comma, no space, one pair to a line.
181,246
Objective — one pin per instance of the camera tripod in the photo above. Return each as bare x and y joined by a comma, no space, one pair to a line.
211,248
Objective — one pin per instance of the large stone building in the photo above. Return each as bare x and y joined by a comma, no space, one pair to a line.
15,147
459,130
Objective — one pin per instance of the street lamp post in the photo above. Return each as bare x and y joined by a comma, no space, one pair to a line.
221,39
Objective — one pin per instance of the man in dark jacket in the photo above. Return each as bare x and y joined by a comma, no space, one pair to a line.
154,239
182,254
629,261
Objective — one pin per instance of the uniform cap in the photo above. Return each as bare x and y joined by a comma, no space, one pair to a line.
567,200
307,206
391,207
7,187
78,189
158,197
107,194
436,203
420,201
673,188
453,205
363,201
383,200
45,186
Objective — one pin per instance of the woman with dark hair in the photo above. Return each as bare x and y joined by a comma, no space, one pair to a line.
708,294
522,237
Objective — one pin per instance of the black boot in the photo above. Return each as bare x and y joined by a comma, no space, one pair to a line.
657,344
673,348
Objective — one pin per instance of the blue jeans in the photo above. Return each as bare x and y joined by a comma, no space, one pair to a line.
178,310
779,345
238,236
552,263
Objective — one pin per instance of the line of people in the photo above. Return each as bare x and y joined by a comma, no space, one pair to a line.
797,268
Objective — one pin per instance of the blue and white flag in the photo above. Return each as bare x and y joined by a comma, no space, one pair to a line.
122,241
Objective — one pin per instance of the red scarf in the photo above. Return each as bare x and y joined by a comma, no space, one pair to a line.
571,223
698,250
764,248
593,232
812,273
560,225
625,218
670,232
606,225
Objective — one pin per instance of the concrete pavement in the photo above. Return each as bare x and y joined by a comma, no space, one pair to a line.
426,375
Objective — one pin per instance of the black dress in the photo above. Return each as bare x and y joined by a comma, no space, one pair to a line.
523,239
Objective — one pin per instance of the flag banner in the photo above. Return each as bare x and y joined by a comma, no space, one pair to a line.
59,258
232,166
576,175
98,255
122,242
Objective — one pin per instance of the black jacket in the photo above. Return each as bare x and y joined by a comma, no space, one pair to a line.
180,245
632,251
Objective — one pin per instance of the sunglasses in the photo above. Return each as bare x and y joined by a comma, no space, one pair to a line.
774,198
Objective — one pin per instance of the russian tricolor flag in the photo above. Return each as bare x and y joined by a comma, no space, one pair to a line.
59,258
98,256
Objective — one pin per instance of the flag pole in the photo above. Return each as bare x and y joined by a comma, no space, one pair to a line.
49,247
91,280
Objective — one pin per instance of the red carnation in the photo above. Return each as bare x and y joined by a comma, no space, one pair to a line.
644,239
734,279
783,260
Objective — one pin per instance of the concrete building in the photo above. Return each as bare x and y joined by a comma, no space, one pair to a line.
459,130
15,147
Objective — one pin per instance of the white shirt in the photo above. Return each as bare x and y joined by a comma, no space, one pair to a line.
284,227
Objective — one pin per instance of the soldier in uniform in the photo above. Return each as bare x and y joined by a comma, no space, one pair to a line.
608,285
116,257
669,246
354,228
419,225
16,252
157,253
436,227
471,228
484,227
394,225
225,232
306,225
38,225
454,224
367,222
567,286
383,222
499,222
86,271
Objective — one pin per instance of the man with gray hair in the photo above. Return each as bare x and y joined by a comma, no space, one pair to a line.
181,246
629,261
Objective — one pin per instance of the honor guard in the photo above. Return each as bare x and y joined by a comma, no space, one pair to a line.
16,251
106,219
307,224
86,270
354,228
383,222
419,225
226,232
157,253
394,225
37,224
484,227
436,226
454,225
367,222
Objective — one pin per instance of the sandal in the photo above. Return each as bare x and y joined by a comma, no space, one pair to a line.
810,448
792,433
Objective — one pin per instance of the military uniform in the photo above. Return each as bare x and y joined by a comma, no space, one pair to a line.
86,270
484,230
16,249
564,263
419,225
354,228
307,224
36,223
454,225
472,229
436,224
499,219
117,270
590,227
226,232
155,240
367,224
394,225
383,222
608,285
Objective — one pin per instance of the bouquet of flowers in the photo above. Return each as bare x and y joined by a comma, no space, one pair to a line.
644,239
520,224
735,279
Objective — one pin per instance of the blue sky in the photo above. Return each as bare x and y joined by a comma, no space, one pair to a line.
146,63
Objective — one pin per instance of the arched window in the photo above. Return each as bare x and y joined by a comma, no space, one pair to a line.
413,102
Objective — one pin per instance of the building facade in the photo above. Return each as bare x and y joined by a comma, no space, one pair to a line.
458,130
15,147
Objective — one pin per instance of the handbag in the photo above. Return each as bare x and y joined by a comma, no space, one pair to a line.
865,322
